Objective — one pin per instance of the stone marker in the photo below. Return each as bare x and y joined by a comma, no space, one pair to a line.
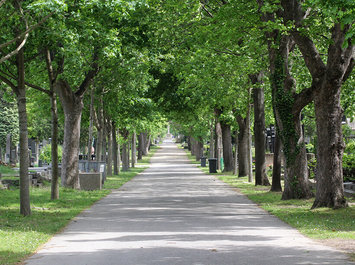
90,181
8,149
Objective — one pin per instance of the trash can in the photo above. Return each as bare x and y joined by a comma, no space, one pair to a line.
203,161
212,163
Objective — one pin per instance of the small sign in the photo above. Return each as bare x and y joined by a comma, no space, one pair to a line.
102,168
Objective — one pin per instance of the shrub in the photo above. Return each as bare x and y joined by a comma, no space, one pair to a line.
349,162
46,154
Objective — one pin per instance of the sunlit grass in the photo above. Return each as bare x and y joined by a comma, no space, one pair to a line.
21,236
321,223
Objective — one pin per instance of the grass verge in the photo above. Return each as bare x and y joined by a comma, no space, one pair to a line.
321,223
21,236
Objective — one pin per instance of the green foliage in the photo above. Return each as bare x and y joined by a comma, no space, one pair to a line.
6,170
312,166
46,154
8,120
349,161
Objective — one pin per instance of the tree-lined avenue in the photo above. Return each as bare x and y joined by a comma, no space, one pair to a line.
172,213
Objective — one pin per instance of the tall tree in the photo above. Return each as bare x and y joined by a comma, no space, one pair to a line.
259,129
327,80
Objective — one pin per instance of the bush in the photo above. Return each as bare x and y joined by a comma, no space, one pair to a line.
349,162
312,167
46,154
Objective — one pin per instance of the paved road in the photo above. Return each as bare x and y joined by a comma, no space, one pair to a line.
172,214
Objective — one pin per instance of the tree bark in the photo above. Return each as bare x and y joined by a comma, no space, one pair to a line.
198,149
219,146
235,168
227,147
54,149
100,128
125,151
54,133
259,130
288,118
118,153
193,146
90,124
25,207
115,148
134,149
147,144
109,146
140,146
250,151
276,169
212,144
243,151
72,107
330,147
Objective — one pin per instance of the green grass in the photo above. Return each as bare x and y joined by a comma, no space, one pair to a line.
6,170
21,236
321,223
146,158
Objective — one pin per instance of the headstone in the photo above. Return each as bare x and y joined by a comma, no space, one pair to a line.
90,181
8,149
13,156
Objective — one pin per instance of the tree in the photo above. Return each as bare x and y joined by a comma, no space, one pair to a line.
327,80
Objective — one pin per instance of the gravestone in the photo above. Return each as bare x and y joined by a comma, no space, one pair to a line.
33,146
90,181
8,149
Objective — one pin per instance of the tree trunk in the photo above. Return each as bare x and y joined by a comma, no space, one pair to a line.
259,130
235,168
114,149
198,149
145,140
54,148
330,147
219,144
189,143
327,80
109,147
72,107
147,144
243,151
25,207
54,131
212,144
125,151
104,141
134,150
288,119
296,173
276,169
140,146
227,147
91,123
250,150
193,147
118,153
100,128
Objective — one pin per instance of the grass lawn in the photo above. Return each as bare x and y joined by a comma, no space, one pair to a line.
21,236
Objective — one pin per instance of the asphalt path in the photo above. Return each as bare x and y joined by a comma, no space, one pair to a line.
173,214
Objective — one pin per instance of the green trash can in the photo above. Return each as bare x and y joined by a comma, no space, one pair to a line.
212,163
